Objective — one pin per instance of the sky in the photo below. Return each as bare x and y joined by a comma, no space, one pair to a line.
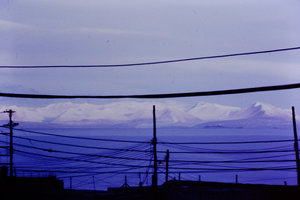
91,32
87,32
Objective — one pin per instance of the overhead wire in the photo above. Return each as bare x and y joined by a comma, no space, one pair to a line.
89,158
157,96
200,162
172,95
143,142
78,160
79,146
124,149
150,63
80,137
198,152
178,161
240,152
51,150
183,169
192,170
229,142
192,149
268,157
229,161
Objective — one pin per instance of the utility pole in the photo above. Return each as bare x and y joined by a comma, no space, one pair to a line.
167,165
70,182
140,178
94,185
296,146
11,148
154,143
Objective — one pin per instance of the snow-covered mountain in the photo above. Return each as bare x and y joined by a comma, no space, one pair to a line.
257,115
212,112
139,115
259,109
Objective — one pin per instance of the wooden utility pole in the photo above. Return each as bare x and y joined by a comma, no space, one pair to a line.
11,146
154,143
296,146
167,165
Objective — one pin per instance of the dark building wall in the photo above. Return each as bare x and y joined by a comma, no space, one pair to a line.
29,188
36,184
177,190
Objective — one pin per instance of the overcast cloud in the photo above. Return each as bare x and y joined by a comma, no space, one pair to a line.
34,32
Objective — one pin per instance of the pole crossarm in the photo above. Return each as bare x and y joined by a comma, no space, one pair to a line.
10,125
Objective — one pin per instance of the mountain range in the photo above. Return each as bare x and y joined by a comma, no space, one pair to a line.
140,115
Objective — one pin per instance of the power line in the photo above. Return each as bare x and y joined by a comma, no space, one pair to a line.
82,154
231,142
240,152
174,161
197,149
177,161
84,158
85,138
164,143
124,149
157,96
82,172
229,161
195,170
82,146
151,63
79,160
208,151
233,169
212,170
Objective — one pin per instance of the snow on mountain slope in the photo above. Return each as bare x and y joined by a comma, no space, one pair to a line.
175,117
139,114
212,112
86,113
256,116
262,110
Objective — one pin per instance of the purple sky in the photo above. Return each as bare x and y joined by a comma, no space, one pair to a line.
55,32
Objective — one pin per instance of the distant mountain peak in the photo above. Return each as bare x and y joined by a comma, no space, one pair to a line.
258,104
270,110
139,114
263,106
263,111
